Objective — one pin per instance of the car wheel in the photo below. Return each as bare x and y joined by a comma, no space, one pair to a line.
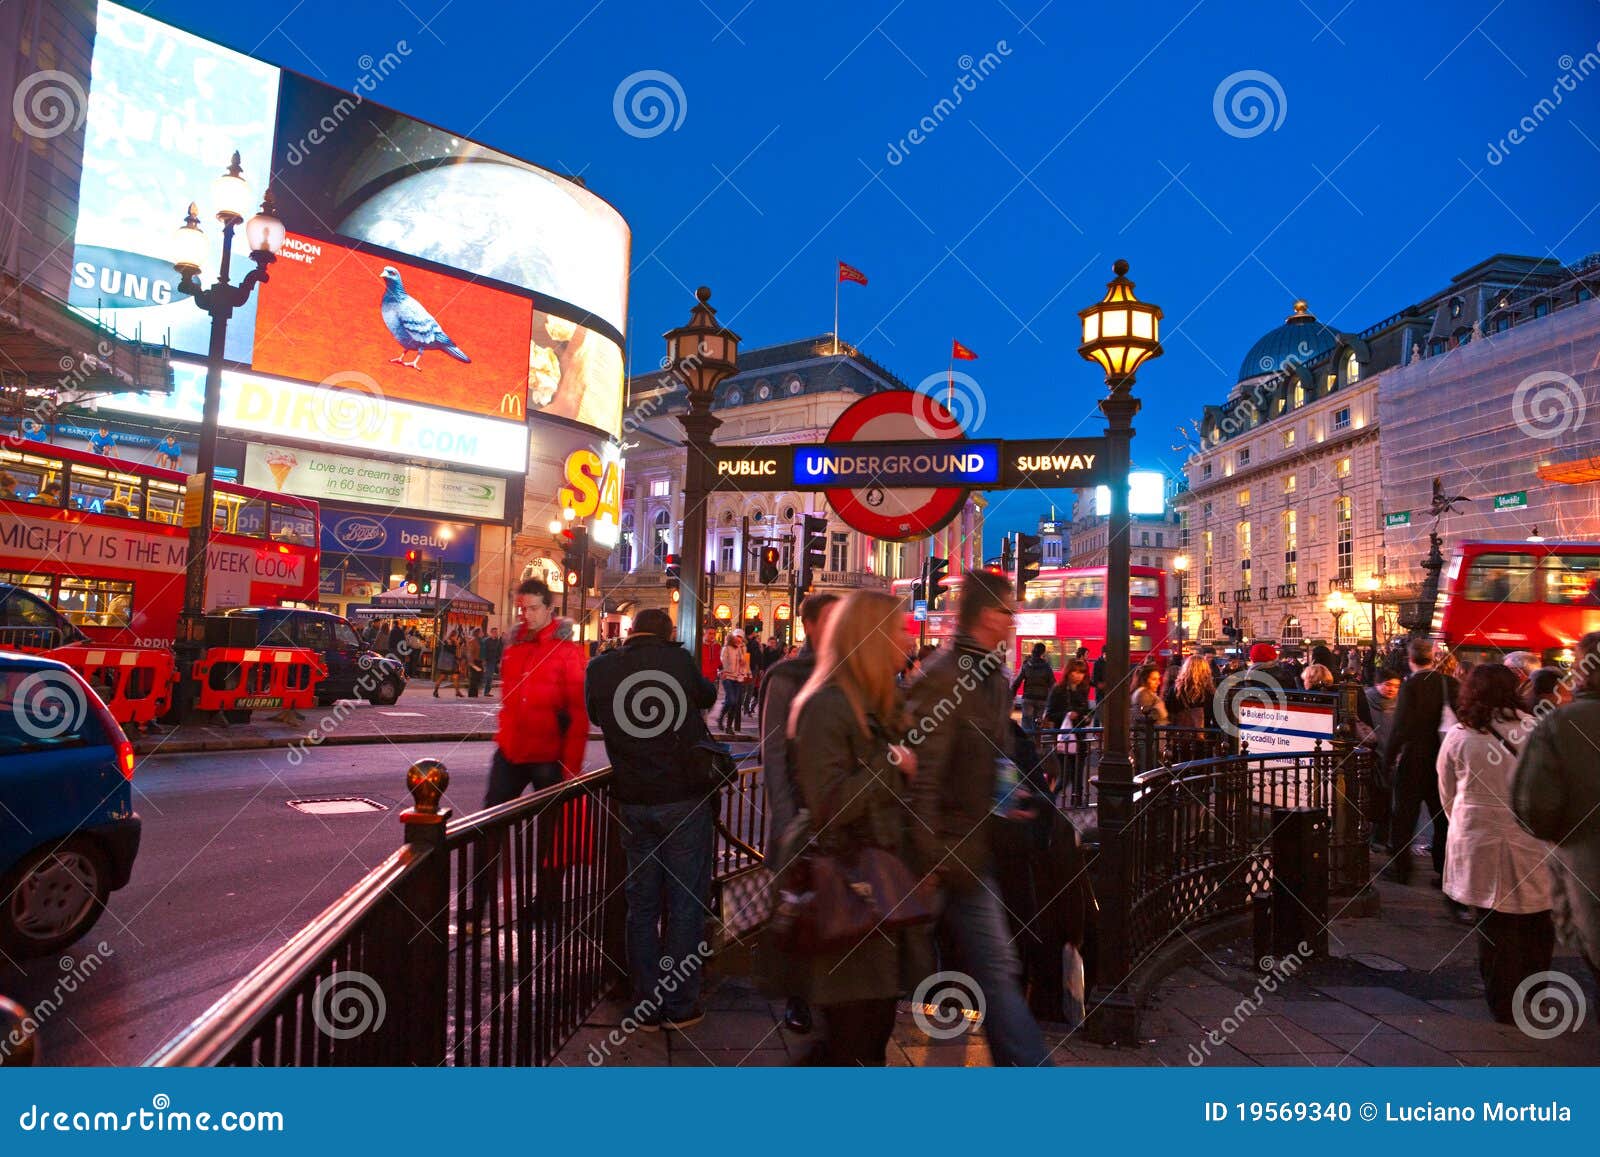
385,693
53,897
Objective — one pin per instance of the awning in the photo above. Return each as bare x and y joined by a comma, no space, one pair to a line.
1573,472
48,345
456,599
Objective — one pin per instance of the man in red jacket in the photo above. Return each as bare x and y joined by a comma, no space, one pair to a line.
543,725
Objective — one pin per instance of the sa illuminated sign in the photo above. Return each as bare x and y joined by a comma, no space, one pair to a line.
594,491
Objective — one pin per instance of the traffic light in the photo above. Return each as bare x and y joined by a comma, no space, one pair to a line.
591,574
813,549
938,568
1030,552
672,569
1008,558
425,579
769,565
413,571
576,554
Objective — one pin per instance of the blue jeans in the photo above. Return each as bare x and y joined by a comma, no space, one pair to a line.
984,941
669,847
732,703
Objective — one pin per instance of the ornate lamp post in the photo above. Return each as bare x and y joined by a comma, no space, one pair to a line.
700,355
1120,333
265,234
1180,563
1337,607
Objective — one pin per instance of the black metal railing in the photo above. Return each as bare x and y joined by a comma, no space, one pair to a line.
1070,756
1200,845
485,940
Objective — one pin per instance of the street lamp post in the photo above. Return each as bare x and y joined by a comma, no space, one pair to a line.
701,354
1180,563
1374,584
1337,607
265,234
1119,334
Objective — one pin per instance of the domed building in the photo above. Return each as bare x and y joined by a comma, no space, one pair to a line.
1293,532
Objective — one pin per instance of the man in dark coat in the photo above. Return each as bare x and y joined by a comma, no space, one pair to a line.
782,683
960,722
1411,757
647,697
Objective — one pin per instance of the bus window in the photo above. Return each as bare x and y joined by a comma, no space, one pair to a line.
92,490
250,517
291,524
166,502
1501,578
18,479
1043,596
34,584
1573,579
1085,594
96,602
1143,587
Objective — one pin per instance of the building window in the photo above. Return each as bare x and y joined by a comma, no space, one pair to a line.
1288,439
1330,383
1244,545
1341,468
625,544
1291,630
1244,496
1206,510
725,553
1352,368
660,487
1502,323
1144,538
1289,484
1344,519
1244,456
1341,419
1455,307
1159,537
839,551
1299,396
1541,308
661,532
1205,470
1584,294
1205,566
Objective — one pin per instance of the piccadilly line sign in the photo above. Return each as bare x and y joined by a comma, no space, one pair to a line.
973,465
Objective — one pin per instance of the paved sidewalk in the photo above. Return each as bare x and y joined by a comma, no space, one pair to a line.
1399,989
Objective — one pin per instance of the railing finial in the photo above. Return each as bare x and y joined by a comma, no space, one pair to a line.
427,780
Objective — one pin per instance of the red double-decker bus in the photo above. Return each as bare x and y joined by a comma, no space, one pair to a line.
102,541
1065,609
1498,597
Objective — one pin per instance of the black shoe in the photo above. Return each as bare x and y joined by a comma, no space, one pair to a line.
797,1016
648,1021
688,1020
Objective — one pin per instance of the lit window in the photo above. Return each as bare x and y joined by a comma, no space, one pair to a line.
1342,468
1331,382
660,487
1289,484
1299,396
1244,497
1352,368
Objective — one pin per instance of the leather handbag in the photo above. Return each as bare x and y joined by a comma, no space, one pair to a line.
828,903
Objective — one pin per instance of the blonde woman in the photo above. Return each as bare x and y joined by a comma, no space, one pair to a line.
1193,691
845,731
1316,678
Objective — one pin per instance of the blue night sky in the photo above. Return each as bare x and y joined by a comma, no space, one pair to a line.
1091,137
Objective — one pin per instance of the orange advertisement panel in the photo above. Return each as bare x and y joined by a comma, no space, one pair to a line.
330,311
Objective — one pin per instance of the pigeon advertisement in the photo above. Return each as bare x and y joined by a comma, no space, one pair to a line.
420,335
382,177
152,146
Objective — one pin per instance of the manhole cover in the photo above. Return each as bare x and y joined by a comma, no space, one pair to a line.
338,806
1377,962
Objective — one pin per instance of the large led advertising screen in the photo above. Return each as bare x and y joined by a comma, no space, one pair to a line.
447,274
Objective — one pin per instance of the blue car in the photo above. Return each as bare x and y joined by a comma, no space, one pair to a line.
68,831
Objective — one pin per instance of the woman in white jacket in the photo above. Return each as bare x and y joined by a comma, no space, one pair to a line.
1491,864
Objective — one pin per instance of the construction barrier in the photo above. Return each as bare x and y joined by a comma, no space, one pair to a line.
252,678
134,682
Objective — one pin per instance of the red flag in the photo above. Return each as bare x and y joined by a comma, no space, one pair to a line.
851,273
961,353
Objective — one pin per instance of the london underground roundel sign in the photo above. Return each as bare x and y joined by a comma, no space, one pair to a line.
890,513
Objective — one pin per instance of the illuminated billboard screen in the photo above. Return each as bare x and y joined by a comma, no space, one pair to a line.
166,111
382,177
1147,494
512,281
344,411
421,336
